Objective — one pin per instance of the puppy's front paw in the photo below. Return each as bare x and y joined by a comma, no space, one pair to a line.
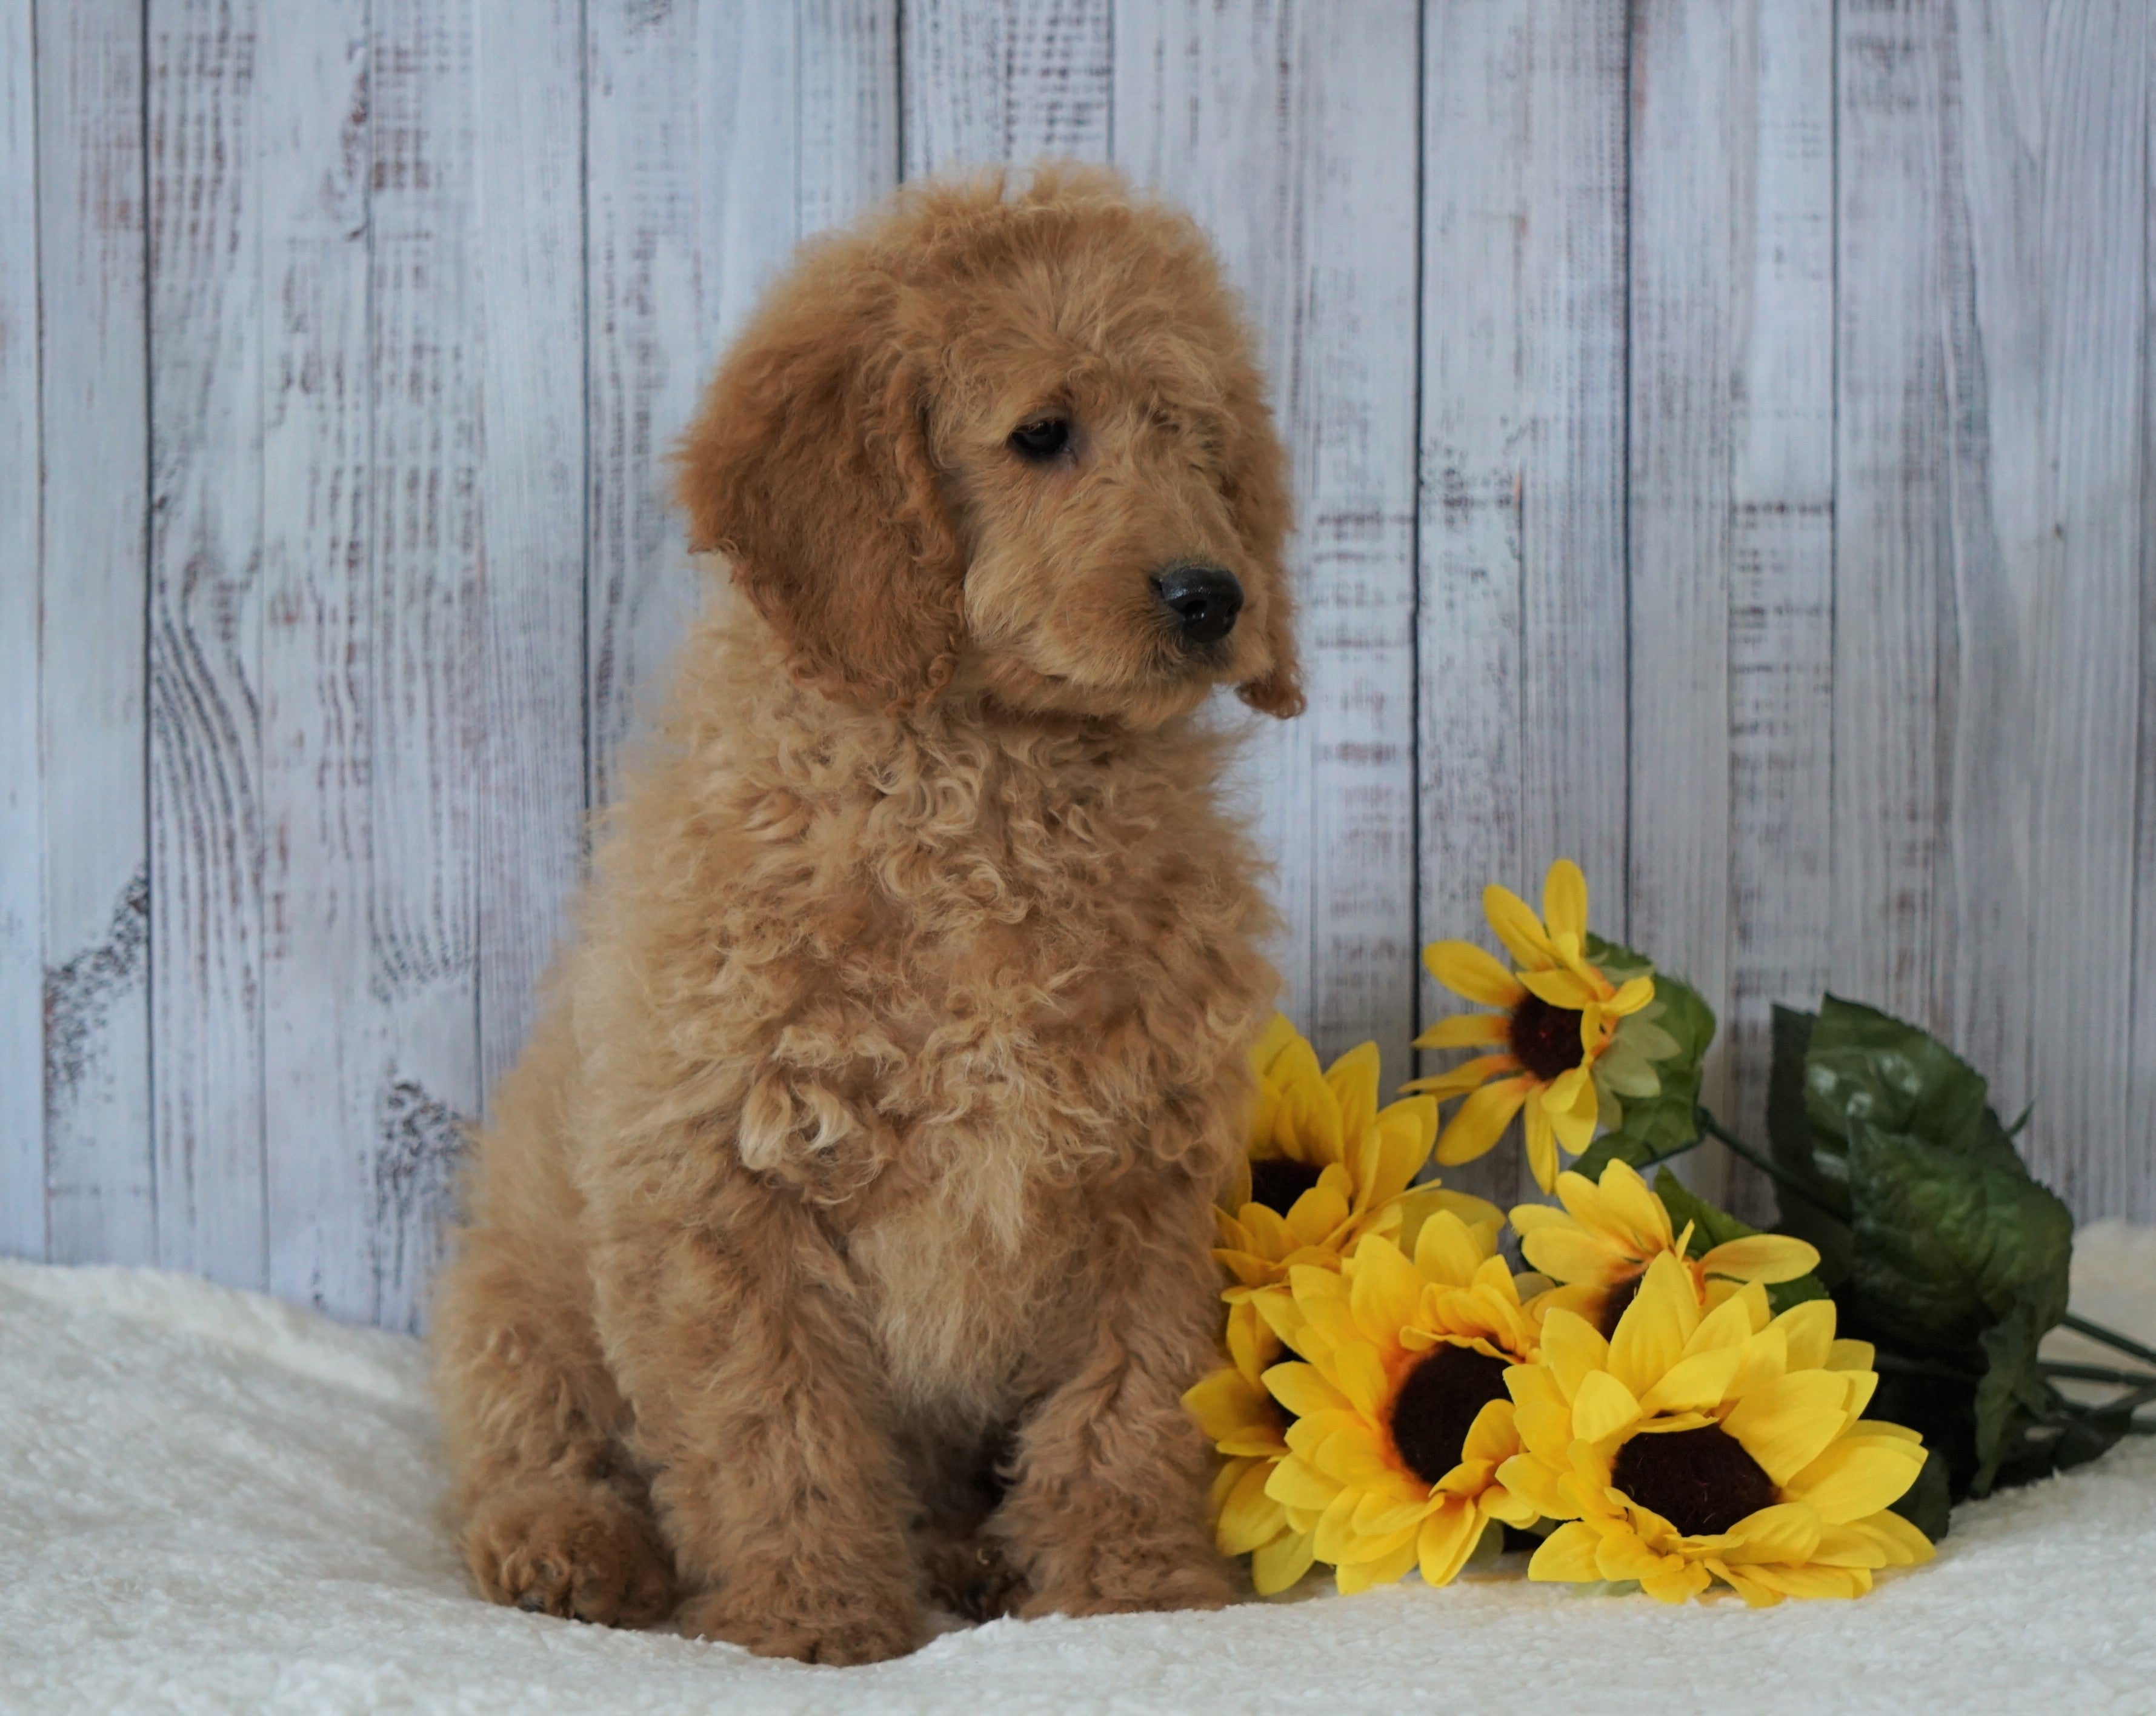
578,1551
1110,1578
835,1627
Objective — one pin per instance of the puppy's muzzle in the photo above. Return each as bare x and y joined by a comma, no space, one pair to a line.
1201,602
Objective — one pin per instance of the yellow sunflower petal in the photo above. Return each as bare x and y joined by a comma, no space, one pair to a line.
1516,925
1459,1080
1464,1031
1632,994
1224,1403
1568,1556
1400,1144
1384,1290
1303,1391
1574,1126
1479,1121
1352,1080
1765,1257
1787,1532
1901,1543
1560,988
1279,1563
1541,1145
1390,1569
1492,1436
1472,975
1249,1517
1786,1425
1855,1478
1602,1406
1564,899
1445,1541
1297,1483
1360,1372
1573,1349
1695,1384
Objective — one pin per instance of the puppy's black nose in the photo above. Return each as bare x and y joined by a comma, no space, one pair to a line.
1205,601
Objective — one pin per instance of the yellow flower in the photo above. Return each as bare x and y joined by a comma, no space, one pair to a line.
1600,1245
1249,1427
1326,1166
1558,1013
1401,1417
1701,1446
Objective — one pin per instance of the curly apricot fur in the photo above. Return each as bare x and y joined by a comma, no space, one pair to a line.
841,1241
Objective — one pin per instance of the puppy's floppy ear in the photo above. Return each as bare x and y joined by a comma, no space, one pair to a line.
1258,496
808,467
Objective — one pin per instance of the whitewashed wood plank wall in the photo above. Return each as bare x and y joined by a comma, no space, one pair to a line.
1723,435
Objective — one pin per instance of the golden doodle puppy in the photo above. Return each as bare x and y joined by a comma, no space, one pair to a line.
840,1244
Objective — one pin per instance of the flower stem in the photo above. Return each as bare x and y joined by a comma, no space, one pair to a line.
2108,1337
1714,1128
2092,1373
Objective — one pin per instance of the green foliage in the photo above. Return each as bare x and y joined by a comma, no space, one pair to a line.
1939,1245
1666,1124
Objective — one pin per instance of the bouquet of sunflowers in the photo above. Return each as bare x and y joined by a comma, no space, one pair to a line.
1663,1398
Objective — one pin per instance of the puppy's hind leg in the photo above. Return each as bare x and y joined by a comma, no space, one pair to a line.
553,1515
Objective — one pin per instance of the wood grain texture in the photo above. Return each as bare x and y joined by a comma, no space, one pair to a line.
92,561
423,523
1522,657
325,1029
1272,126
527,228
1892,473
22,781
2088,668
1781,542
205,637
988,81
1687,86
707,119
1726,452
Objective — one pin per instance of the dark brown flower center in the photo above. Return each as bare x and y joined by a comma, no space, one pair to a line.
1702,1481
1616,1302
1545,1039
1278,1181
1436,1406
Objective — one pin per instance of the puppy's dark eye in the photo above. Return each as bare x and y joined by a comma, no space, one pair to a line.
1041,440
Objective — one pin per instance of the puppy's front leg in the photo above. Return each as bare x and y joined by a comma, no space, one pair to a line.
760,1403
1106,1512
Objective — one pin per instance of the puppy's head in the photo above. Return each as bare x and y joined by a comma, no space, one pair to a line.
1016,444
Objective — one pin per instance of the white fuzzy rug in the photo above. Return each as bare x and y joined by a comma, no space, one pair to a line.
210,1502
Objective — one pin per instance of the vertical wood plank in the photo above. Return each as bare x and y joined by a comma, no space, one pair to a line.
206,477
1691,131
1008,80
529,223
1891,550
22,792
1781,601
2088,1140
1279,132
1522,622
2139,1195
325,1033
94,394
712,126
423,522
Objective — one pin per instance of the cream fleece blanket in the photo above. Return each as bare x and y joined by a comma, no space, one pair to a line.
210,1502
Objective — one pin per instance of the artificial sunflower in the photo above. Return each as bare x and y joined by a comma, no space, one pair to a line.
1701,1446
1249,1428
1600,1243
1402,1421
1558,1013
1326,1166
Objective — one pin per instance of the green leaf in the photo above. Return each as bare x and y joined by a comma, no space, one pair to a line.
1861,1064
1658,1127
1925,1504
1944,1244
2014,1401
1711,1227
